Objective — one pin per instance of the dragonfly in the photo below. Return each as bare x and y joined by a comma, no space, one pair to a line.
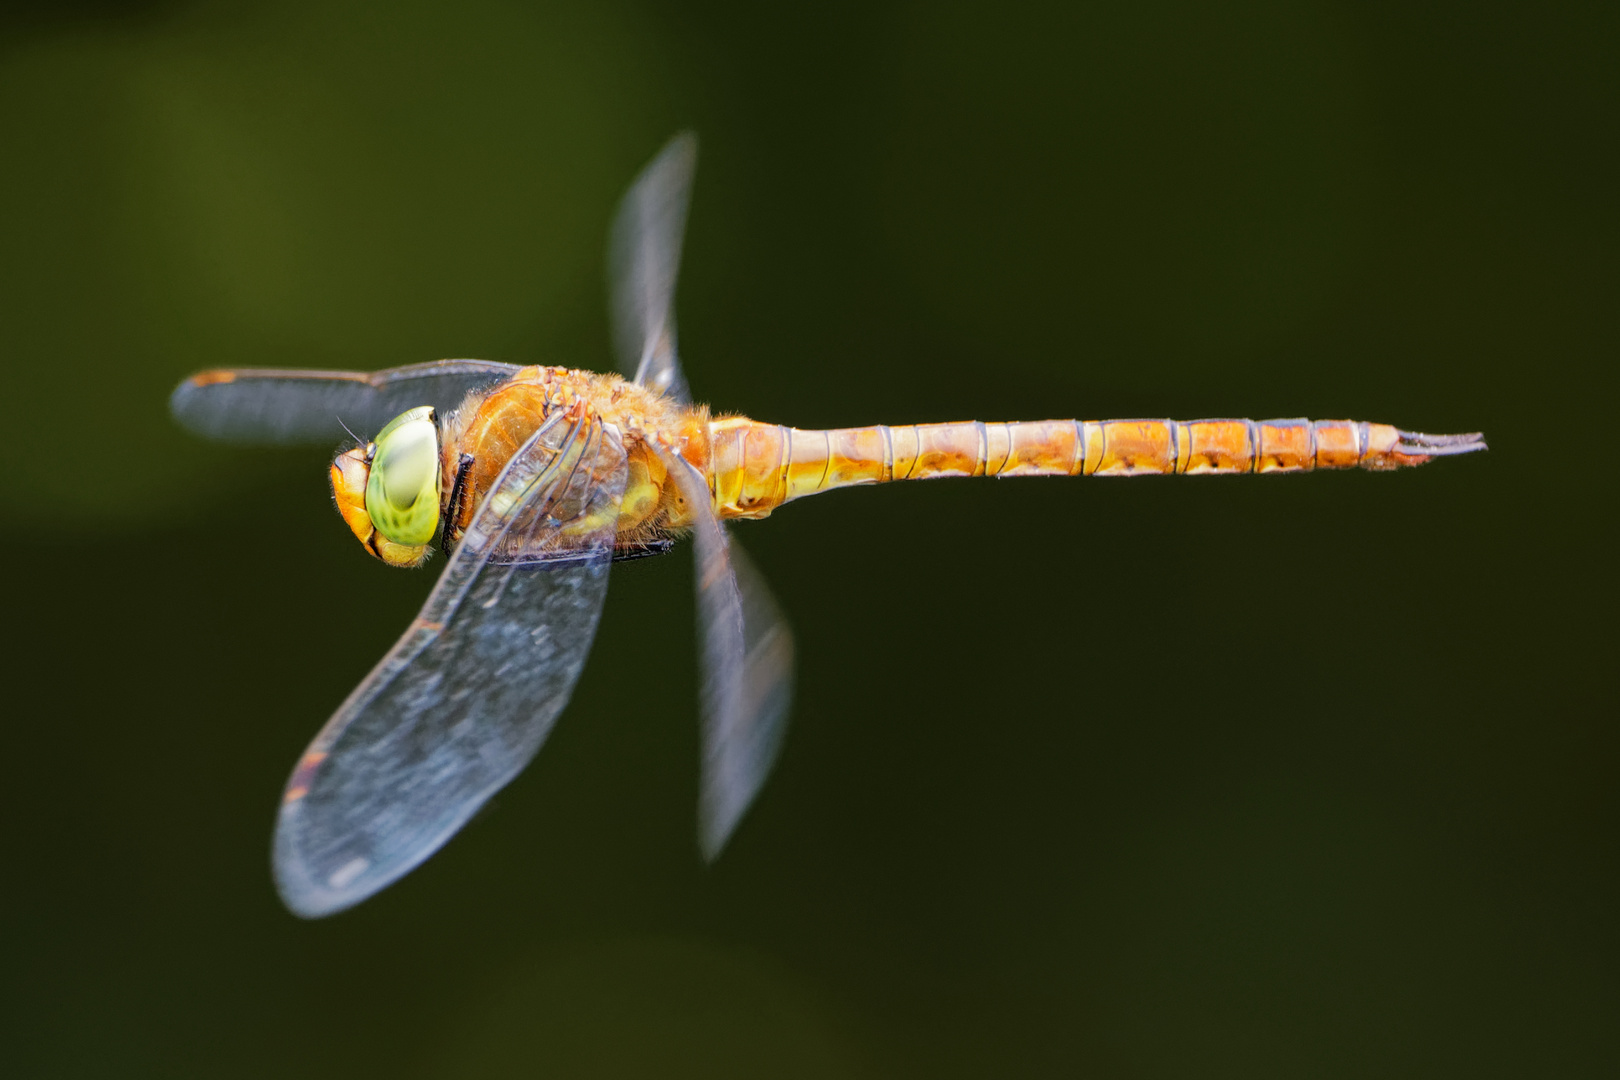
534,480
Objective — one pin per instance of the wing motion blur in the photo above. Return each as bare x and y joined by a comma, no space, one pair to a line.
271,406
747,648
644,259
467,696
747,651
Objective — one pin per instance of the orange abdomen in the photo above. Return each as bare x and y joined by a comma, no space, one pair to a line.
756,467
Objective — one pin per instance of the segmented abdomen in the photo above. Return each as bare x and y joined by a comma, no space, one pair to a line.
756,467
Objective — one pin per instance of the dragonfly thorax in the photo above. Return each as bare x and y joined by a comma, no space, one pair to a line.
480,437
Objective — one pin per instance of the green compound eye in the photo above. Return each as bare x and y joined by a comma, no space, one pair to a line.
402,491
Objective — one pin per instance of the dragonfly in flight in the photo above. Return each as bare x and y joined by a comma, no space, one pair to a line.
536,479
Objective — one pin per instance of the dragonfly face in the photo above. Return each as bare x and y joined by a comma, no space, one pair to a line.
388,490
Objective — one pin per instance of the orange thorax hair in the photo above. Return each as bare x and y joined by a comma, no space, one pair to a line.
493,425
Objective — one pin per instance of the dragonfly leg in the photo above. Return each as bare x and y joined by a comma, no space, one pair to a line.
458,494
626,550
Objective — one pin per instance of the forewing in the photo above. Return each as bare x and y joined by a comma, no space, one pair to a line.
644,259
747,651
464,700
276,406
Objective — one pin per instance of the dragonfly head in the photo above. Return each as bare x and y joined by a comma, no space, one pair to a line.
388,490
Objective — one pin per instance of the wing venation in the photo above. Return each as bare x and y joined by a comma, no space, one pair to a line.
273,406
467,696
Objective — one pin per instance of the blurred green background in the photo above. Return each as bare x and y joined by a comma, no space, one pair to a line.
1305,776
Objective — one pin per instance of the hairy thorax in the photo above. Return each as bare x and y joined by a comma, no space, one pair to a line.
491,426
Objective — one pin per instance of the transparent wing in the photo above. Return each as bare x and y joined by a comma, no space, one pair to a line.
747,668
644,258
464,700
275,406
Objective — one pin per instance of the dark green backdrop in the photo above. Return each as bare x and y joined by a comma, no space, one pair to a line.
1308,776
